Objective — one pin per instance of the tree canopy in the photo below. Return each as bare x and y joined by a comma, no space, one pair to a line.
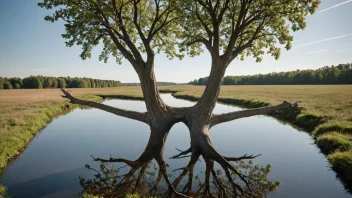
229,28
125,28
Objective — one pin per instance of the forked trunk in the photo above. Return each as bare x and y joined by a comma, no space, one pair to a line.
211,93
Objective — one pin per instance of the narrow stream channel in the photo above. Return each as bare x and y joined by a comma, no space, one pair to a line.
52,163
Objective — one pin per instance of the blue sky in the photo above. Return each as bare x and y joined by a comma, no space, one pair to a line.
31,46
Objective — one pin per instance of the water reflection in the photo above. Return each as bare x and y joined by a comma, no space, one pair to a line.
109,182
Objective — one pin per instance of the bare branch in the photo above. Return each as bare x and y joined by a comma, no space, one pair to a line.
242,157
122,160
181,153
120,112
217,119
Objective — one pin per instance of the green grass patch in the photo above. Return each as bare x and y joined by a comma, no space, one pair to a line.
342,127
342,163
333,142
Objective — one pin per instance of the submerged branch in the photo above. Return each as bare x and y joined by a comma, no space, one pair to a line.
235,159
182,154
217,119
117,111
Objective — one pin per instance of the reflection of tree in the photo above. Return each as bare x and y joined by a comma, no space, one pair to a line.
245,180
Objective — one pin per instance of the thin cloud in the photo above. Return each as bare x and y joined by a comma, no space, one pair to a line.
316,52
324,40
334,6
343,50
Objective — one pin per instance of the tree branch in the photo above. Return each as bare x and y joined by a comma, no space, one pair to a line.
217,119
120,112
182,153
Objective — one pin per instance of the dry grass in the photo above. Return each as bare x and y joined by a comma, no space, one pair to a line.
16,105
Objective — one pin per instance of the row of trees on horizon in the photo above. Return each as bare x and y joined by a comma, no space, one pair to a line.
341,74
39,82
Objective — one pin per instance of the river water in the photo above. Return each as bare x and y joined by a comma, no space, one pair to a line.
51,164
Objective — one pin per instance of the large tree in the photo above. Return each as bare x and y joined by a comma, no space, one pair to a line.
138,29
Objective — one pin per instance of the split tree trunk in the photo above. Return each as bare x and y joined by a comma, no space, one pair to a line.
199,118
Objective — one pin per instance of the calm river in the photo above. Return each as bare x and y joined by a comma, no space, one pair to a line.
51,164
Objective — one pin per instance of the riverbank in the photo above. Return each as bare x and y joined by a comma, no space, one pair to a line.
326,114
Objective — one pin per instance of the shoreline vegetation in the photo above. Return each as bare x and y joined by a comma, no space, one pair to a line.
340,74
326,114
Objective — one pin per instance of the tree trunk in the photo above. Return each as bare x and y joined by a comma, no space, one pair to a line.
155,105
211,93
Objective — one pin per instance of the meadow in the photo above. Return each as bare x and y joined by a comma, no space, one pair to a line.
326,113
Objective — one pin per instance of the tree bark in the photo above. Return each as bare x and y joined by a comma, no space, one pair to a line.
217,119
207,102
117,111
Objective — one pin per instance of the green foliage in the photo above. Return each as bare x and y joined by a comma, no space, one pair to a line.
16,82
341,74
17,86
2,81
245,28
88,196
47,83
38,82
32,82
2,191
125,28
54,83
7,85
62,83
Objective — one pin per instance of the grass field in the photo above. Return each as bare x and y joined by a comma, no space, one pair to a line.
327,113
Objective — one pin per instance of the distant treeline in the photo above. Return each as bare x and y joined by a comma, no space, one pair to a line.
341,74
39,82
158,84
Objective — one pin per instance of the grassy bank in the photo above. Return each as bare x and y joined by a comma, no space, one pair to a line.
326,114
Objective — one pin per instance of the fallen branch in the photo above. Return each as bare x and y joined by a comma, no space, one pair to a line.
117,111
217,119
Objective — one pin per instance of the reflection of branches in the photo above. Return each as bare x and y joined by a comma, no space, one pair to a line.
108,182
